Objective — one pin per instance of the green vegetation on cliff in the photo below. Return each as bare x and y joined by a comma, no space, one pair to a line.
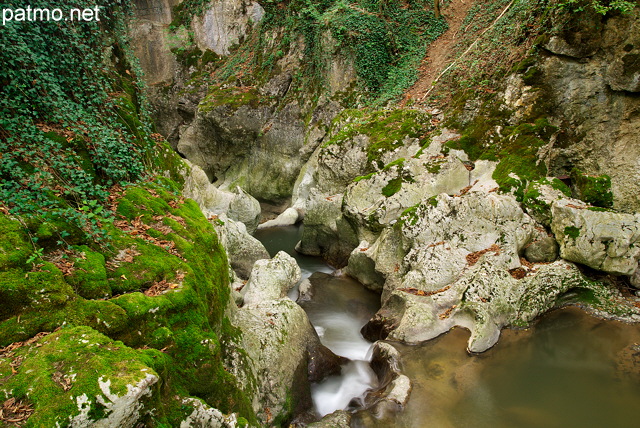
168,276
71,124
128,277
386,40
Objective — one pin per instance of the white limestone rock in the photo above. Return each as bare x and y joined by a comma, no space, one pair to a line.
271,279
602,240
237,205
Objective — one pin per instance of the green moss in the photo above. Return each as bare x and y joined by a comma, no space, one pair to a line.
559,185
231,97
103,316
410,215
386,129
187,321
469,143
364,177
15,246
572,232
43,290
595,190
89,278
396,163
434,165
65,356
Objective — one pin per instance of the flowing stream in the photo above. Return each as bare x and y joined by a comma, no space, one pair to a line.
338,309
568,370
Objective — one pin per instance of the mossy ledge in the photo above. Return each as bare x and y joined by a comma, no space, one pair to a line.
127,331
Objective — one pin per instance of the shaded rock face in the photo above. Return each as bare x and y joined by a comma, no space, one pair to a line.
226,23
240,136
593,81
148,37
258,148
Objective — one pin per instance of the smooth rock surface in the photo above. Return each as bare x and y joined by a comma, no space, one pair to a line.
271,279
602,240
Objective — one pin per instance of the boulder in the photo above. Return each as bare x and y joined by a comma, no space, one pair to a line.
337,419
484,300
544,250
236,204
286,354
396,387
243,249
600,239
271,279
455,261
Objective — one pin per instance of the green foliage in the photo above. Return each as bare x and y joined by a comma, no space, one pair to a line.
386,129
599,6
572,232
184,12
187,321
392,187
386,38
70,126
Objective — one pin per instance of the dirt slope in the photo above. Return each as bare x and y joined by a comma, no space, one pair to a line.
438,53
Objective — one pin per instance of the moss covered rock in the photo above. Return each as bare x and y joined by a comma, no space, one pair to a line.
51,374
15,246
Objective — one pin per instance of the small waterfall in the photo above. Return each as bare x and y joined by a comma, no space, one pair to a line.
338,309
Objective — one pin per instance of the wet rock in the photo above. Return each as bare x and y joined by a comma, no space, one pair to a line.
271,279
337,419
542,251
305,291
281,342
602,240
362,267
287,218
395,388
326,233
